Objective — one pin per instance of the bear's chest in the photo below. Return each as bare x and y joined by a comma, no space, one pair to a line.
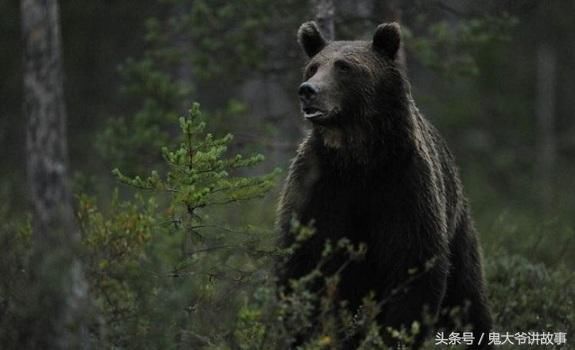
351,208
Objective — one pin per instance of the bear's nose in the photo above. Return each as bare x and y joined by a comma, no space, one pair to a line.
307,91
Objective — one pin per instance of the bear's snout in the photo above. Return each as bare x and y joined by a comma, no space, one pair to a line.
307,91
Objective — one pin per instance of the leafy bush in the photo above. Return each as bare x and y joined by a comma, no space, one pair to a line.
528,296
165,273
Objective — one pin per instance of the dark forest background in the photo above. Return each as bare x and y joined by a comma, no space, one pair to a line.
495,77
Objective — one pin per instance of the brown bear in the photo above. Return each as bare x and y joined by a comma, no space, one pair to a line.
375,171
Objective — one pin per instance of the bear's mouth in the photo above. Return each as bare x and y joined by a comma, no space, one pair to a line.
311,113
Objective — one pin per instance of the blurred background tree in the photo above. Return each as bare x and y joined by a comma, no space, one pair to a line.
58,317
495,77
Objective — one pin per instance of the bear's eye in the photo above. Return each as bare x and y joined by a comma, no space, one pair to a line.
310,71
343,66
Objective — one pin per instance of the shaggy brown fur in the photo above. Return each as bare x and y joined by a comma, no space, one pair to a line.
375,171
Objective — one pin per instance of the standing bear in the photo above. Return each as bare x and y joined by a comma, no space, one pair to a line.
373,170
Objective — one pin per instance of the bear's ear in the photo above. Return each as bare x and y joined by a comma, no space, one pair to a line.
387,39
310,39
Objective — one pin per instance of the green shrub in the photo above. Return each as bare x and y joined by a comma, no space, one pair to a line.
528,296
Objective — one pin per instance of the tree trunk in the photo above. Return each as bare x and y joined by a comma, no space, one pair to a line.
57,276
324,11
546,154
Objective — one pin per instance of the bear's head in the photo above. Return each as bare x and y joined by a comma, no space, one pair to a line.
351,85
